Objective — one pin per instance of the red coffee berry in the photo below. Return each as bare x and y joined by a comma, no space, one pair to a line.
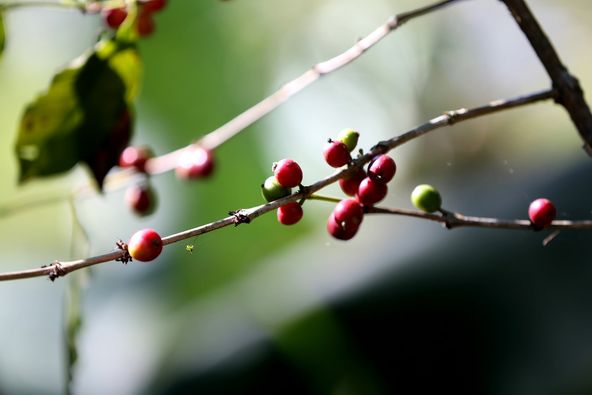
382,169
348,213
542,212
141,199
290,213
145,245
114,17
341,231
336,153
135,156
145,25
350,184
371,192
288,173
195,162
153,5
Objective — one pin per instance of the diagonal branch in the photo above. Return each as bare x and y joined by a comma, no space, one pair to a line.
59,269
570,94
233,127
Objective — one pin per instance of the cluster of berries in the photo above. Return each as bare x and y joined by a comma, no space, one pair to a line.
367,187
195,162
144,23
287,174
345,219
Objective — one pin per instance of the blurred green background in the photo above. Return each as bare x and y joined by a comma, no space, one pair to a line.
405,306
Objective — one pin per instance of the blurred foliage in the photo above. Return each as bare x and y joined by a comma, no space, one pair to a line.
2,34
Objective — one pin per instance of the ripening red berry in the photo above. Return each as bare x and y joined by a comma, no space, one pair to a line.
153,5
145,245
336,153
341,231
349,185
114,17
135,156
348,212
141,199
382,169
371,192
290,213
145,25
195,162
288,173
542,212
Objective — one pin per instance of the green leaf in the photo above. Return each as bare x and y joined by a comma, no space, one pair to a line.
46,142
84,116
2,34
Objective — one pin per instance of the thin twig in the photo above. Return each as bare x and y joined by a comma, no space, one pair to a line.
59,269
452,220
231,128
570,94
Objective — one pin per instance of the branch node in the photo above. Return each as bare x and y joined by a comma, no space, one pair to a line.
449,218
57,270
382,147
304,191
239,217
392,22
453,116
126,257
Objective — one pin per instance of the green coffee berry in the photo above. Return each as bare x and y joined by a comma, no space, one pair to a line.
349,137
426,198
273,190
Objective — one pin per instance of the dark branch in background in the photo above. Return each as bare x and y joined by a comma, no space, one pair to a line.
59,269
570,94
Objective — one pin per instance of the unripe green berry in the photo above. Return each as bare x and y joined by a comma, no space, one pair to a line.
426,198
273,190
349,137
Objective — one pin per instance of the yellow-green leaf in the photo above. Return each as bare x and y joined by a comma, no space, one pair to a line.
126,62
